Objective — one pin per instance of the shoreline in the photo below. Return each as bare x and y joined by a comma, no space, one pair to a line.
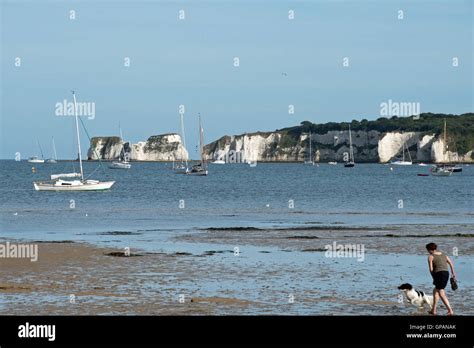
199,273
261,161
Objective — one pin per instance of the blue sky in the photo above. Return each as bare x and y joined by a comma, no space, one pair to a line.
190,62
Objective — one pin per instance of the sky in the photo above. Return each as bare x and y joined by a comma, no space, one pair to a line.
282,61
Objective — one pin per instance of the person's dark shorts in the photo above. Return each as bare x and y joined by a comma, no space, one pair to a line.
440,279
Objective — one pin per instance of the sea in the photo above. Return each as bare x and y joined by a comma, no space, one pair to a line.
151,197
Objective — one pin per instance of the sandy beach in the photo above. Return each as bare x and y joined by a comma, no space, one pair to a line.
238,271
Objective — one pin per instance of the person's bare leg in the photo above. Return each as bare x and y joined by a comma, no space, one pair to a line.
435,301
445,300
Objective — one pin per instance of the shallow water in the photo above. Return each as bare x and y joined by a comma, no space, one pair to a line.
148,196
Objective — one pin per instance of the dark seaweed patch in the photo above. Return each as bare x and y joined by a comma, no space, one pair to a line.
232,229
118,233
53,241
121,254
390,235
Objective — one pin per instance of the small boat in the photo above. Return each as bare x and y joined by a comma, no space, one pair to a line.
55,158
332,163
252,163
454,168
199,169
422,174
402,162
218,162
74,185
449,166
350,163
122,162
35,159
310,160
180,168
421,164
441,171
120,165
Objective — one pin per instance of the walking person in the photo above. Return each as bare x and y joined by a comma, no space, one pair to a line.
438,266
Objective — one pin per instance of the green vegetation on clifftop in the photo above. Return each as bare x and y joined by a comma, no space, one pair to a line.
460,128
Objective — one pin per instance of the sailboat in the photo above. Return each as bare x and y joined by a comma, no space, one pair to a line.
55,158
402,162
350,163
181,168
123,162
36,159
74,185
454,168
310,161
441,171
200,168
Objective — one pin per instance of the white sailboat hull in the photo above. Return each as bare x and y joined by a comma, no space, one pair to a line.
75,185
120,165
402,163
181,170
440,171
36,161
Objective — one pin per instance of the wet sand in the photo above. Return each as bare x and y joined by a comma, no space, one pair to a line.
277,271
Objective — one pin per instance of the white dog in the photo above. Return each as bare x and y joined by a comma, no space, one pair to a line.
415,297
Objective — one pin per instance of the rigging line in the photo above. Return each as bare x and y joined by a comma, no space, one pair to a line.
87,133
92,173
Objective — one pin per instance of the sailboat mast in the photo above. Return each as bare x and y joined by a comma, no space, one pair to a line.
41,150
201,141
122,152
351,153
310,149
409,155
77,132
54,150
445,147
182,134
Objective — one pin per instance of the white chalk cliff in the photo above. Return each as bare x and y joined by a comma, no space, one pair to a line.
368,146
164,147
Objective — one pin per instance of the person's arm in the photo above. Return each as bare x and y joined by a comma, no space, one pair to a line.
451,265
430,263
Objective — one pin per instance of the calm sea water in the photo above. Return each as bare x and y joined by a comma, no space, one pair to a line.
149,195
